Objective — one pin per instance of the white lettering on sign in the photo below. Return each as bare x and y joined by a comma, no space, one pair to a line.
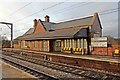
99,44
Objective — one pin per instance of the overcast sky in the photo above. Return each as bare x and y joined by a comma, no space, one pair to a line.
22,13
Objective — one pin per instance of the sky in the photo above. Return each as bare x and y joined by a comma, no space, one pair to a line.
22,13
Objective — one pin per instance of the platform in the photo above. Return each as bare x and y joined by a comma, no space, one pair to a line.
11,72
89,57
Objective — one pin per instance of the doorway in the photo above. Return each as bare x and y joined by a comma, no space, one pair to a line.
51,45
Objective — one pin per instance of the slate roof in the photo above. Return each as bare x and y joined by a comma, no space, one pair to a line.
56,26
72,23
48,25
66,33
30,31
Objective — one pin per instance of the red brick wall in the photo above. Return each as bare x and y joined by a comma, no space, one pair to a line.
101,65
99,51
26,43
17,46
105,51
39,28
39,46
32,45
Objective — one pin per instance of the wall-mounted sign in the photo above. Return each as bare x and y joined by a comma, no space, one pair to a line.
99,44
98,39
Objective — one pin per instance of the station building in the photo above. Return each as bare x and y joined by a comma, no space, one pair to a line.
73,36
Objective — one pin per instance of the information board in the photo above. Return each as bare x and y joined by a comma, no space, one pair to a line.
99,44
98,39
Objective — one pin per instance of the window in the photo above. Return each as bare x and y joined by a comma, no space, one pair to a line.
68,43
72,44
85,43
44,45
36,44
78,43
16,42
58,43
28,44
82,45
65,43
22,44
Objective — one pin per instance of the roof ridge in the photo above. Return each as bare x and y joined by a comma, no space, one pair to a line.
75,19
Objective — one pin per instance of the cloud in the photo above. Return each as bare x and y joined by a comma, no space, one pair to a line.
108,20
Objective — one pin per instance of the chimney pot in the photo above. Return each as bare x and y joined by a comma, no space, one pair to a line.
47,18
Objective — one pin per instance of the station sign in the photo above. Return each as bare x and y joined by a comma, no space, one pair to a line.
99,44
97,39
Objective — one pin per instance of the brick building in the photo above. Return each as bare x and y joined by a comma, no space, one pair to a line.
72,36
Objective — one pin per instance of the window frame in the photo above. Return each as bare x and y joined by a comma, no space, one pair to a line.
35,44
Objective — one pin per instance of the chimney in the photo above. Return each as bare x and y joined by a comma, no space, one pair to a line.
47,18
35,23
96,14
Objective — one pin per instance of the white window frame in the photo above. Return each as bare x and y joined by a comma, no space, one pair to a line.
78,43
35,44
72,45
85,43
68,43
65,43
28,43
44,45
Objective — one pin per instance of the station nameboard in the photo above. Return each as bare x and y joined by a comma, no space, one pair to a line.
99,39
99,44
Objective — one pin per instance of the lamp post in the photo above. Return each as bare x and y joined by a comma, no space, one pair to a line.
10,27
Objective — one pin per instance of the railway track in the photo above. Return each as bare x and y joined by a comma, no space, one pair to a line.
58,75
93,75
37,74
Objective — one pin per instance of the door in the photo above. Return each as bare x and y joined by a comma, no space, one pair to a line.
51,45
58,45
